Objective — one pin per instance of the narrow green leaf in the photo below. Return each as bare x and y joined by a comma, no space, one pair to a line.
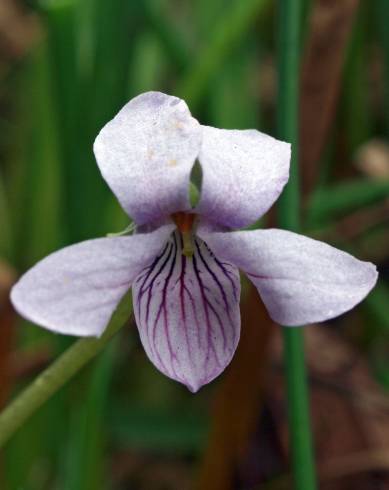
171,41
225,38
234,88
300,436
38,211
146,69
333,201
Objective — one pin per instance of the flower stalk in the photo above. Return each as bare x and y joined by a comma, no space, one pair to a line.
289,23
59,373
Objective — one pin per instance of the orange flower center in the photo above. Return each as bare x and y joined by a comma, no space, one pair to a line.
184,223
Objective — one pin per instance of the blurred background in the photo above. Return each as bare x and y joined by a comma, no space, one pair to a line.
66,68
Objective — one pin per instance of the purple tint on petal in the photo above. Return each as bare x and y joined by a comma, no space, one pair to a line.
187,312
244,172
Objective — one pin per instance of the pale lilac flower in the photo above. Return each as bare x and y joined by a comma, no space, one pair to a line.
183,264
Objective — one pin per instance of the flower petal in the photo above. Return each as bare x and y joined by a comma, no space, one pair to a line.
146,154
244,172
187,311
75,290
299,279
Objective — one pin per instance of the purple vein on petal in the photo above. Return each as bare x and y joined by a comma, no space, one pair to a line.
205,303
183,290
220,287
162,259
145,275
223,267
162,307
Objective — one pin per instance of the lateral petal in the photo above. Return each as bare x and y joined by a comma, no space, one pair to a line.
300,280
75,290
187,312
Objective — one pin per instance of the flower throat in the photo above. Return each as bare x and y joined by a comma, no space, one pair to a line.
185,223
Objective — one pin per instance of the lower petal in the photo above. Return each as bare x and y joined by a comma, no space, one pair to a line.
75,290
187,311
300,280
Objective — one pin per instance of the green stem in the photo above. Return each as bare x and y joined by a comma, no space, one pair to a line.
289,18
56,375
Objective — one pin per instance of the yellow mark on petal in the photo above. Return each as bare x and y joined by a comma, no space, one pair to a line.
187,238
172,163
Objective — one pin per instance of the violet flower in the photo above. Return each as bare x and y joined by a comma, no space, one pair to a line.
183,263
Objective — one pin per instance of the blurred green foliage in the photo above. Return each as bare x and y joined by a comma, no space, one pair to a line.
86,60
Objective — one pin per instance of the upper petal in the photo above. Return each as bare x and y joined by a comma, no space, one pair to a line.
146,154
75,290
187,311
300,280
244,172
